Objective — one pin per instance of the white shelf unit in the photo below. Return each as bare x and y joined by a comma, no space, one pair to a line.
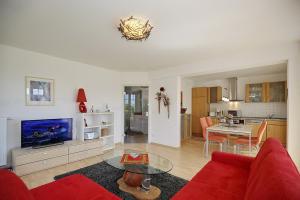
102,124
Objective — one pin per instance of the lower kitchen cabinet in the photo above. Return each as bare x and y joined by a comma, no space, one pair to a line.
277,129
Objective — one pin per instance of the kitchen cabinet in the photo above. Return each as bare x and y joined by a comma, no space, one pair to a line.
276,91
277,129
200,108
186,126
255,92
215,94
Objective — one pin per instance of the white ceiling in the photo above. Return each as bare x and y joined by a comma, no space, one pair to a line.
185,31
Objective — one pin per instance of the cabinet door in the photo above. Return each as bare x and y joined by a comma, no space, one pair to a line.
277,131
200,108
276,91
255,92
215,94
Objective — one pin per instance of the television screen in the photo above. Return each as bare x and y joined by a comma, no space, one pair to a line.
45,132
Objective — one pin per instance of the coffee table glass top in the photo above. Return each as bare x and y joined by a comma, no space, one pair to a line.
157,164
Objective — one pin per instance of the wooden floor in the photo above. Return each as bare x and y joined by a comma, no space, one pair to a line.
187,161
139,138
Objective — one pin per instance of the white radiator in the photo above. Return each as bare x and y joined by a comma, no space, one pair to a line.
3,140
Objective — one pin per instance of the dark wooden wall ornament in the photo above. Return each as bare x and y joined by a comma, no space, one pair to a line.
162,96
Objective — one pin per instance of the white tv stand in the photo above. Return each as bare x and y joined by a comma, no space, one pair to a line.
29,160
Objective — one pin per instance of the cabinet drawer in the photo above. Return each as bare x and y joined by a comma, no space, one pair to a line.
39,155
84,146
84,154
277,122
40,165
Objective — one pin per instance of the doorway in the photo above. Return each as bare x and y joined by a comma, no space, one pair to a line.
136,100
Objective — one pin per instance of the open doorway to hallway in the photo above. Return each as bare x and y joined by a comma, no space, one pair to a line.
136,114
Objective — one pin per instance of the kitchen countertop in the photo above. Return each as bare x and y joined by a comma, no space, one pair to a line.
273,118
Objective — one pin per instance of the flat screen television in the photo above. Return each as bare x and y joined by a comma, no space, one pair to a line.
40,133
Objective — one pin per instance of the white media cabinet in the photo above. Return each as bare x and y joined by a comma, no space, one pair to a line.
29,160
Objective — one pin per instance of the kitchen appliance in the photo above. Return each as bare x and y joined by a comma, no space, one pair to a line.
235,113
233,88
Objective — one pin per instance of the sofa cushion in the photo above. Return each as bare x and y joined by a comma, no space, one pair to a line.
276,178
216,181
197,190
270,145
75,187
12,187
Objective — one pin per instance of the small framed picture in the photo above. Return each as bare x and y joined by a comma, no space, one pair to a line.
39,91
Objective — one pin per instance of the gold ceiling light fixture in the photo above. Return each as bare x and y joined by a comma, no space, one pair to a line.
133,28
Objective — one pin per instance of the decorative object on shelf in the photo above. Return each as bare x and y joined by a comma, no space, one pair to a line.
134,28
104,132
107,108
162,96
92,109
81,98
85,124
39,91
89,135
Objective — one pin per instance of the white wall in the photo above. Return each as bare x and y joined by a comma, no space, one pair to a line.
164,130
102,87
252,58
186,88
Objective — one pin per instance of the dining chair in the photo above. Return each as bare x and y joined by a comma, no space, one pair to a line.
255,141
212,137
210,123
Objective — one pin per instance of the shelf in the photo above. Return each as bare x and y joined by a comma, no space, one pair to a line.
97,113
107,136
106,125
108,148
96,126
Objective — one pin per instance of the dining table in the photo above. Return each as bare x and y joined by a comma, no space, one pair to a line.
229,129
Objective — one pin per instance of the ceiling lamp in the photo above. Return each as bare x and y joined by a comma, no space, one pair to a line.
135,29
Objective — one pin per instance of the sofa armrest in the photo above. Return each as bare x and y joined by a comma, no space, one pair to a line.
232,159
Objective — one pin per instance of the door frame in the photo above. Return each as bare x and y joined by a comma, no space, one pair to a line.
123,108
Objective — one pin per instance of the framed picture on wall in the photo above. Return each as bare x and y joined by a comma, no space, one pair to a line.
39,91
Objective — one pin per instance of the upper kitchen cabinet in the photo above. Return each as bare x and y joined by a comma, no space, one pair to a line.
214,94
255,92
276,91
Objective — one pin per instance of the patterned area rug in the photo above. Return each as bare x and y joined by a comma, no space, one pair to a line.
107,176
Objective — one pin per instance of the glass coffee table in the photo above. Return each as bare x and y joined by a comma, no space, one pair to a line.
137,177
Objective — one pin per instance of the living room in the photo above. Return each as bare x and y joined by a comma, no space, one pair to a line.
69,46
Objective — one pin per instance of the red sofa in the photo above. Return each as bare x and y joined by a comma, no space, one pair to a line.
75,187
270,175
